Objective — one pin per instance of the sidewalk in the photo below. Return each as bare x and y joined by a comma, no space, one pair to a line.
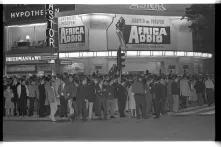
33,118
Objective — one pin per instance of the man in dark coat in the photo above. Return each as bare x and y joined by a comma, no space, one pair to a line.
42,97
160,96
110,99
82,96
100,91
15,99
122,97
199,86
91,98
139,95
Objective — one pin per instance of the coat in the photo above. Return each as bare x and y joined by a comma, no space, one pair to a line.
8,96
70,89
122,93
130,104
110,92
138,87
91,92
160,91
175,89
184,88
50,94
82,93
42,93
19,90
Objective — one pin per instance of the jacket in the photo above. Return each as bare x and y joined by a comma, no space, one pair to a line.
50,93
138,87
199,86
70,89
184,88
175,90
110,92
160,91
33,91
19,90
82,93
91,92
100,91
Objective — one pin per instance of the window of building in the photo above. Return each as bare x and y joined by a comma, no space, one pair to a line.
26,36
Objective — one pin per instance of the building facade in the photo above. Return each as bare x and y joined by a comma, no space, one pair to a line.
156,39
30,35
84,38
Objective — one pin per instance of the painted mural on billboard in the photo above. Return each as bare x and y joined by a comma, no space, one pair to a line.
72,34
143,32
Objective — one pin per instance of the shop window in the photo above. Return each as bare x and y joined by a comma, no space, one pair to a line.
26,36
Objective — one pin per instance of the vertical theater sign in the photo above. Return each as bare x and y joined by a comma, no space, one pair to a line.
50,33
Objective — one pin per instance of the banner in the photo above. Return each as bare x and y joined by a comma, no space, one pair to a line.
72,34
141,32
146,35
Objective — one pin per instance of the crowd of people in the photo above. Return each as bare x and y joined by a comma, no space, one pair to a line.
88,97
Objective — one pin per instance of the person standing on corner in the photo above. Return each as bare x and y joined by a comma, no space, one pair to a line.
175,93
122,97
110,99
33,92
209,90
51,97
185,92
70,96
199,86
15,98
100,91
23,93
91,99
82,98
139,95
42,97
160,95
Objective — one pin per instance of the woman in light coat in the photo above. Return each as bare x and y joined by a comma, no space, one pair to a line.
9,106
185,92
51,97
130,103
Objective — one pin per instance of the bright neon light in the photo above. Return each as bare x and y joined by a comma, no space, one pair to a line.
28,25
132,53
136,54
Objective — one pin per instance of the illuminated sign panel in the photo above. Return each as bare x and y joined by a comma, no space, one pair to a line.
151,7
23,58
72,33
146,35
50,33
18,14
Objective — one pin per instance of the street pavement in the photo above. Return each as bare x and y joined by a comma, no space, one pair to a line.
166,128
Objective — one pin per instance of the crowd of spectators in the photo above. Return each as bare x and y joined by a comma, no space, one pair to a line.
88,97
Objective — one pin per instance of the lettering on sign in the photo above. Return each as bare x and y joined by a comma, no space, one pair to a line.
151,7
147,35
27,14
50,33
23,58
72,34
